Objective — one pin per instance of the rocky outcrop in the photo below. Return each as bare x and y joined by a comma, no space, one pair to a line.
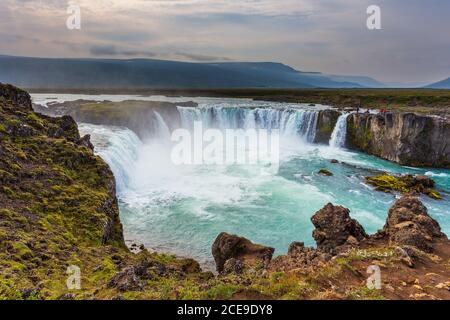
404,184
140,116
335,228
19,98
408,226
58,199
405,138
227,247
300,256
326,121
408,223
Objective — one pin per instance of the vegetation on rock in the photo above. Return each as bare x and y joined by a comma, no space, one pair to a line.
325,172
404,184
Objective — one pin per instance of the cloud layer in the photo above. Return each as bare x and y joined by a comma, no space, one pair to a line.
320,35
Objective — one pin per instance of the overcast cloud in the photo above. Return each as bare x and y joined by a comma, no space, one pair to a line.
313,35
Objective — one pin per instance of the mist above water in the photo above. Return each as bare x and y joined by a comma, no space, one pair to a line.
181,209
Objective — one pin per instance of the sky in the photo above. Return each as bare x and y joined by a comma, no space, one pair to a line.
330,36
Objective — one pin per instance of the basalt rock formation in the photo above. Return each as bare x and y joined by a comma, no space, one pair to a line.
408,223
335,228
139,116
411,252
405,138
405,184
227,247
326,121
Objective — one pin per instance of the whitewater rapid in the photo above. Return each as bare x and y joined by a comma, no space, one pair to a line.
181,209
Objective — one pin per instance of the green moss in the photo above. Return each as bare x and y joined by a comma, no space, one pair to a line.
6,177
388,183
23,251
325,172
105,271
8,290
8,191
434,194
402,184
6,213
35,120
222,291
364,293
277,276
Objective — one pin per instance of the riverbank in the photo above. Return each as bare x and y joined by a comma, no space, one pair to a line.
420,101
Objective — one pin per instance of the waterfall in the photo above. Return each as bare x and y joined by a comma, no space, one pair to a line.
290,122
118,146
163,130
339,134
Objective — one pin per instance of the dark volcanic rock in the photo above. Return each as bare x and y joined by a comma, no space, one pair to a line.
228,246
404,184
325,172
326,122
405,138
233,266
335,228
20,130
408,223
19,97
85,141
300,256
131,278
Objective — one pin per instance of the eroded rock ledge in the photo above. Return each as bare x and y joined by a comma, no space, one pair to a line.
405,138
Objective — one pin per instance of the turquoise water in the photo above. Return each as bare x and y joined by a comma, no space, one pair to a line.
182,210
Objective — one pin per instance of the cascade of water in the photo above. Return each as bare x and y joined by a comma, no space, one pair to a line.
290,122
118,146
163,130
339,134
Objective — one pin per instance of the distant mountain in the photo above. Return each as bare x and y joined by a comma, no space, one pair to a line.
150,73
444,84
361,80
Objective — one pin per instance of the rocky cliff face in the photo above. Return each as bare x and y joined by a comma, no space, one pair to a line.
139,116
326,122
405,138
58,208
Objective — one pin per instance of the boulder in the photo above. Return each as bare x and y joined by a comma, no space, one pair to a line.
295,247
408,223
404,184
325,172
233,266
130,278
300,256
17,96
335,228
85,141
228,246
